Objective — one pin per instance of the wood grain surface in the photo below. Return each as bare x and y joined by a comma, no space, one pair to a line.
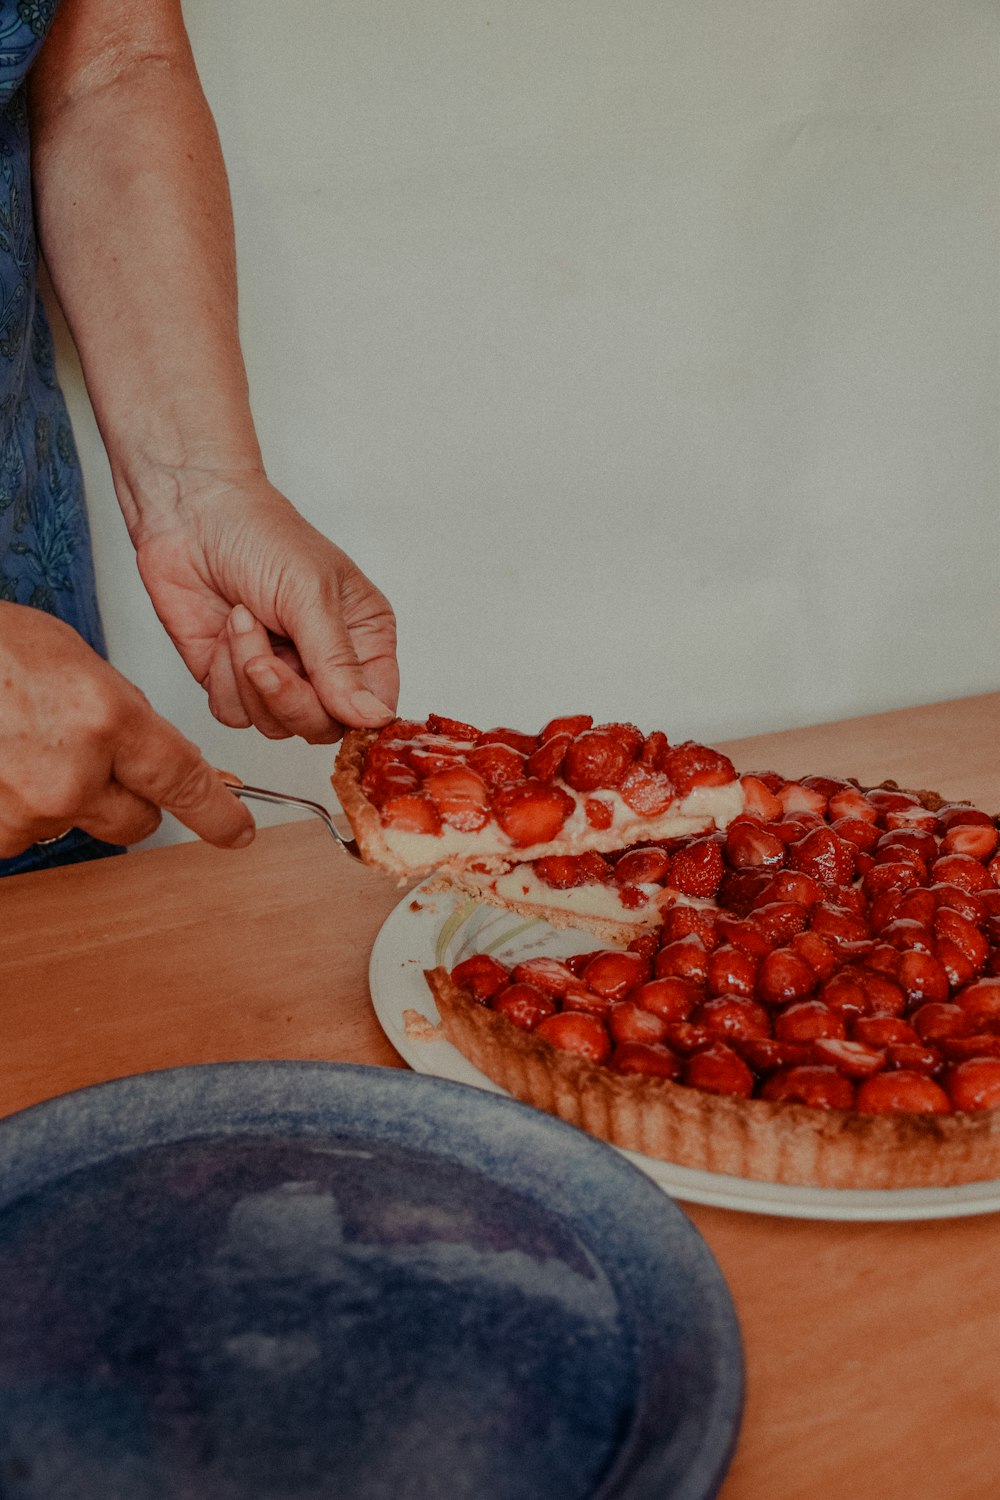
873,1350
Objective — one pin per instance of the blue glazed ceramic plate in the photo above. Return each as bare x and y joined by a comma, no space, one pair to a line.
295,1281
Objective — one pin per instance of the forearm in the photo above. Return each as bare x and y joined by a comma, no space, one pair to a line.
136,229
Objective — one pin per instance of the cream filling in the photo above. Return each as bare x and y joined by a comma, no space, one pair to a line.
703,808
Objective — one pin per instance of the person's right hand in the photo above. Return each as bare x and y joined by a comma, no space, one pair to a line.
80,747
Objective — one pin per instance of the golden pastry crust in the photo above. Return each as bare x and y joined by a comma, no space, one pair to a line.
789,1143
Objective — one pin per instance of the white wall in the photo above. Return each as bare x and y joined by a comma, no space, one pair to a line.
647,355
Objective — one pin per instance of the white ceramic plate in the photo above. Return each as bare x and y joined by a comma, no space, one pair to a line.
427,929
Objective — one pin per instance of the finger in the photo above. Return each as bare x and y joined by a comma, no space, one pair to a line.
223,694
120,817
155,762
293,700
247,639
327,648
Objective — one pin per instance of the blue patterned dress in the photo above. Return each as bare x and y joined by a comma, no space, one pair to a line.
45,554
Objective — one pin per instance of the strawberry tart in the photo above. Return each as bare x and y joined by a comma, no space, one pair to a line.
798,980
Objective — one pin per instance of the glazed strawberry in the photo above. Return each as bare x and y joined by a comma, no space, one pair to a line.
836,924
425,759
863,835
885,996
689,765
962,870
580,1000
896,876
628,1021
850,802
891,799
920,903
523,1005
749,844
645,866
780,920
599,815
759,801
953,813
815,1084
646,792
792,885
697,868
682,921
461,798
784,976
614,974
731,971
550,975
566,872
411,812
545,763
936,1021
481,976
595,759
729,1016
901,1093
905,934
653,754
964,1048
497,764
741,889
959,969
915,1057
572,724
744,932
522,743
646,942
453,728
817,952
845,992
577,962
805,1020
981,1003
922,977
853,1059
574,1032
823,855
976,1084
382,786
719,1070
949,923
686,1038
670,998
530,812
881,1031
975,840
973,905
645,1057
766,1055
687,958
795,798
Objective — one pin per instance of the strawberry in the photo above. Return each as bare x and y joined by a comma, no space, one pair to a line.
974,905
938,1022
697,868
682,921
885,996
425,759
976,840
686,958
953,813
719,1070
817,952
851,803
574,1032
881,1031
740,889
523,1005
646,865
689,765
645,1057
401,729
889,798
545,763
566,872
916,839
863,835
896,876
522,743
904,933
845,992
911,817
949,923
748,844
460,797
599,814
823,855
480,976
410,813
595,759
731,1016
687,1038
629,1021
765,1055
837,925
614,974
919,904
792,885
962,870
730,971
653,754
959,969
497,764
648,793
975,1084
453,728
585,1002
981,1003
815,1084
744,932
577,962
382,785
571,724
805,1020
780,920
784,976
529,812
759,801
963,1048
901,1093
853,1059
914,1057
797,798
550,975
922,977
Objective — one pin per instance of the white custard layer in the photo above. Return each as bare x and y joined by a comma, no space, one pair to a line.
703,808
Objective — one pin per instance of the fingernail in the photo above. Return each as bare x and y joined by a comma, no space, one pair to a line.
241,620
245,838
367,706
263,677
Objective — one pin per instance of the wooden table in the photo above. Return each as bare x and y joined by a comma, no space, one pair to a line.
873,1350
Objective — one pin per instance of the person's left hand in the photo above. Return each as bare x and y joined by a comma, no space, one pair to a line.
279,626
